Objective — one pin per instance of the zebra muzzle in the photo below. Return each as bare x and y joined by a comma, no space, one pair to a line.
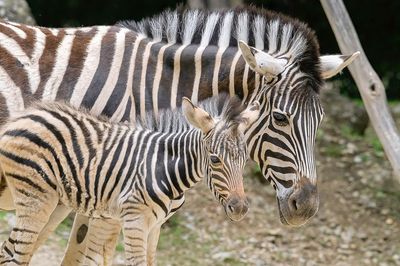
236,207
297,207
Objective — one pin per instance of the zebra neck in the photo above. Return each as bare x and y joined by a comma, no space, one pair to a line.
184,161
171,71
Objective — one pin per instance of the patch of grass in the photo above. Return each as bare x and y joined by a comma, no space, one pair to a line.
348,133
120,247
373,141
232,262
179,245
63,242
333,150
387,196
377,146
64,226
2,215
358,102
256,170
320,133
393,102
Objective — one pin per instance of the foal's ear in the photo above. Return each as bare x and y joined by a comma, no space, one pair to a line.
249,115
197,116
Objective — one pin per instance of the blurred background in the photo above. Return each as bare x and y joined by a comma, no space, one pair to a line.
359,218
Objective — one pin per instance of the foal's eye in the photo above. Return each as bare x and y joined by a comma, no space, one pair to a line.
215,159
280,119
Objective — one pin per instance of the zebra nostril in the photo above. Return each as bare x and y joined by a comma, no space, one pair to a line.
293,204
231,209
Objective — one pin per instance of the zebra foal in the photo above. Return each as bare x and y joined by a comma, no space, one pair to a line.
53,154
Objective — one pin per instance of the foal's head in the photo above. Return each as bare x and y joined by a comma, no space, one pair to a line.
225,151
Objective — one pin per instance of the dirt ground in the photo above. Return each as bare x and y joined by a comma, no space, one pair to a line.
358,222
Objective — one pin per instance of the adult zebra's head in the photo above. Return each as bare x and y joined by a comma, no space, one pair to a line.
225,151
282,140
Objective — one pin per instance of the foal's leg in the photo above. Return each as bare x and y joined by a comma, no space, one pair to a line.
58,215
32,212
76,248
135,240
92,241
100,241
152,242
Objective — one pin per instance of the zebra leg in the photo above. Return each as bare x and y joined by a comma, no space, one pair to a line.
6,200
135,240
92,241
58,215
76,248
154,235
32,215
101,241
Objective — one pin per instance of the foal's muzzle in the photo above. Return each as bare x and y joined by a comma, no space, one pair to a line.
236,207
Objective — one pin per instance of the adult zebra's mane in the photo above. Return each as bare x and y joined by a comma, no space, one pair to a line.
275,33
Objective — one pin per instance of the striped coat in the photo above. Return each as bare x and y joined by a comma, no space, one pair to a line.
53,154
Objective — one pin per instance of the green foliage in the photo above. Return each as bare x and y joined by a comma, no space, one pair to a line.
333,150
64,226
2,215
349,133
120,247
173,232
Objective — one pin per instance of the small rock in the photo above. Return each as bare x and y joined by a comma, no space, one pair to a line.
389,221
385,211
275,232
221,256
350,148
357,159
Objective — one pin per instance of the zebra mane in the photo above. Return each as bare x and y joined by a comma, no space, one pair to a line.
273,32
256,26
171,121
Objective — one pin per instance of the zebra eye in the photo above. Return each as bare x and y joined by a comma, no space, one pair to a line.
214,159
280,119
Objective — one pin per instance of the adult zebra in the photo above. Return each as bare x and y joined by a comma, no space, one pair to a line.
123,70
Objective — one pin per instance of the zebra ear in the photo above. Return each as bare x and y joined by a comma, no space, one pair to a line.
333,64
261,62
249,115
197,116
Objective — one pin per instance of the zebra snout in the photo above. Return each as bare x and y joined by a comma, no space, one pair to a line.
236,207
303,203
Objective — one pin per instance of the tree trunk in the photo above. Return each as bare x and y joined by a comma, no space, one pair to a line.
370,86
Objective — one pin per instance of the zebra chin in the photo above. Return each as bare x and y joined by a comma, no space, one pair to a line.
299,203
